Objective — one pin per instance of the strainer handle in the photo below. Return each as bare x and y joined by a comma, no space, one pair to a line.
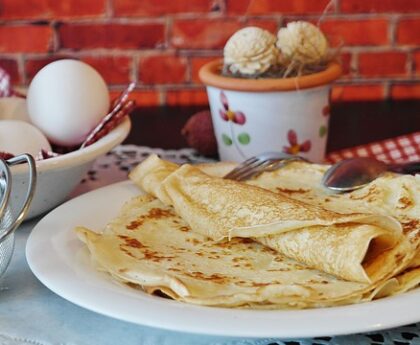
24,158
5,187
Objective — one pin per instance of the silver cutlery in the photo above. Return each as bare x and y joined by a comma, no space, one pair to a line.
267,161
355,173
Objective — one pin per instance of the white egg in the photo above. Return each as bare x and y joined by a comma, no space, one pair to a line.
18,137
66,100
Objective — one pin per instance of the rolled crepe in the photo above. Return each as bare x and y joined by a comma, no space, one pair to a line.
357,247
391,194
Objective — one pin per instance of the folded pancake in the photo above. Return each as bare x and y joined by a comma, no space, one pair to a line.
151,247
391,194
358,247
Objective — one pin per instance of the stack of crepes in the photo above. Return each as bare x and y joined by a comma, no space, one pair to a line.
278,241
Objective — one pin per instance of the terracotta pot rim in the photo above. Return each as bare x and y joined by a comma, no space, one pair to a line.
210,75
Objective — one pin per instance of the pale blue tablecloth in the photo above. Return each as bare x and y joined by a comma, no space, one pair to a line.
31,314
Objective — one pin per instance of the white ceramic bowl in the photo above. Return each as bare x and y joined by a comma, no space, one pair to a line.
58,176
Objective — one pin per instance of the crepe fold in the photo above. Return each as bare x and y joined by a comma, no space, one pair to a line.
150,247
359,247
391,194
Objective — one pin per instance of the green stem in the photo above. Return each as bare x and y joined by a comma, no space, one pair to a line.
232,133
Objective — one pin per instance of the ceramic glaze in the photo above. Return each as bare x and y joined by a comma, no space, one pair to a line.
249,123
252,116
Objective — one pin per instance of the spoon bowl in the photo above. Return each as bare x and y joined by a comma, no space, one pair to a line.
355,173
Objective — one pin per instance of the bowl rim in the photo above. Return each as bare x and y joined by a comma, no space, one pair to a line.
210,75
79,157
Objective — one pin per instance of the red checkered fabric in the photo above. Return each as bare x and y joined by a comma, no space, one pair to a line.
404,148
5,87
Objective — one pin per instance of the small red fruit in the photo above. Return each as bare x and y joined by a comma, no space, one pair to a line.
199,133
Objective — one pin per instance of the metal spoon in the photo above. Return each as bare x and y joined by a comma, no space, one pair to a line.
355,173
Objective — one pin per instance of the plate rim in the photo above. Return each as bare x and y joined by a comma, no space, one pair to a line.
333,321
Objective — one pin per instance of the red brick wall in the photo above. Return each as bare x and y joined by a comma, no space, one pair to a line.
162,43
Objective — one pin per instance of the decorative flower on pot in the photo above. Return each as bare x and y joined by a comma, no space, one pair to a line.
294,148
271,88
233,117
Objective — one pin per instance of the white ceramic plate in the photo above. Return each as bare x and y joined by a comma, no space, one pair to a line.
61,262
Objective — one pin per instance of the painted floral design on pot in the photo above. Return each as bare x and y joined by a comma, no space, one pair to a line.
295,147
233,118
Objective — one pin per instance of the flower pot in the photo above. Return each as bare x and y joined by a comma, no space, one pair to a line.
251,116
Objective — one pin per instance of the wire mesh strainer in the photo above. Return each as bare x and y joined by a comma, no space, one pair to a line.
13,204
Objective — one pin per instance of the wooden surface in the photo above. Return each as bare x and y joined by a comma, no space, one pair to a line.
351,124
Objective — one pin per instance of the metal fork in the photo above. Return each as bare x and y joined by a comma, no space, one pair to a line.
267,161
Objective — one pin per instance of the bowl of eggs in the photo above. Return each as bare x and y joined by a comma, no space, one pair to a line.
65,103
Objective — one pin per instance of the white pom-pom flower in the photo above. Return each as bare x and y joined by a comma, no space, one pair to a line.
250,51
302,42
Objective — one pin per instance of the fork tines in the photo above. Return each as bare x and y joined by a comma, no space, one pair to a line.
248,169
255,165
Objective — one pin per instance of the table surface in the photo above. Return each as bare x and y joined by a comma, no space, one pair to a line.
31,314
